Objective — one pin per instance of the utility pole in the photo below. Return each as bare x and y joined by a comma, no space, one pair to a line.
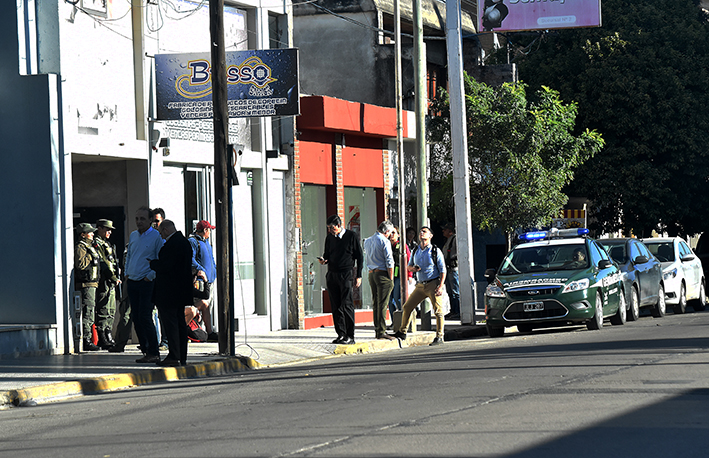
403,273
461,171
421,109
221,183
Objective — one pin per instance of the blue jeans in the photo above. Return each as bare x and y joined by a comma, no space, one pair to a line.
140,294
453,288
395,301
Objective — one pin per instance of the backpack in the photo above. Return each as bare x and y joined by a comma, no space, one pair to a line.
434,253
195,332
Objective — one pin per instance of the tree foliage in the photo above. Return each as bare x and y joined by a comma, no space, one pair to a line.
640,80
521,155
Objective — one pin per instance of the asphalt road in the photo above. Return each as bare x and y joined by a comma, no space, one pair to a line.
639,390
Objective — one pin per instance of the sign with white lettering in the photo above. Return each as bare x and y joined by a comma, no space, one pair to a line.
512,15
259,83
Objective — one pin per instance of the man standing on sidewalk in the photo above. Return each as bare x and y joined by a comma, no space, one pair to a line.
380,264
143,246
173,291
205,267
110,278
86,268
342,251
450,253
428,263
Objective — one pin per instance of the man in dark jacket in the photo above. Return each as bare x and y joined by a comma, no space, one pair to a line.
342,251
173,290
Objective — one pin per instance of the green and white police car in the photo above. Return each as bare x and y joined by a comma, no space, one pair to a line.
556,277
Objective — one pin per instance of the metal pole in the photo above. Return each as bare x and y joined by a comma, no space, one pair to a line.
403,273
461,171
421,109
221,184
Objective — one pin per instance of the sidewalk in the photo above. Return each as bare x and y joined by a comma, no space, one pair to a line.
41,379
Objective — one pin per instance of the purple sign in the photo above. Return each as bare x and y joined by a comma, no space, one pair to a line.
512,15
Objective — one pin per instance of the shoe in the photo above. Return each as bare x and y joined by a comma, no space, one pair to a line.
448,315
109,337
437,341
339,340
148,359
399,335
102,342
89,346
453,316
386,337
116,349
213,337
168,362
347,341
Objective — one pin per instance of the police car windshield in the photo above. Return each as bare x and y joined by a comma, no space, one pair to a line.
545,258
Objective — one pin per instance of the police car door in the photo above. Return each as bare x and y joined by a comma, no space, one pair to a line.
606,278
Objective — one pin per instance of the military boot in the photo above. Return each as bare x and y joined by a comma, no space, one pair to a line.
89,346
103,343
109,337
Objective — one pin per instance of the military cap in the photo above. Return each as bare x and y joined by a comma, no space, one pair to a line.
107,223
85,228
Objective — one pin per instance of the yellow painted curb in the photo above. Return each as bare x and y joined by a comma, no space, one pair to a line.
56,391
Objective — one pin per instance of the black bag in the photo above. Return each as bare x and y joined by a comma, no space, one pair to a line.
200,288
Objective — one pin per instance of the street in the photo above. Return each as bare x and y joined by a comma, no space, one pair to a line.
638,390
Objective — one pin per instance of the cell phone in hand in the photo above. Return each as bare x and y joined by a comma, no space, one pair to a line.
320,258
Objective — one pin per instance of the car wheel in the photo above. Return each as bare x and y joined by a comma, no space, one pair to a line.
634,308
596,322
525,328
681,306
621,315
494,331
659,309
701,303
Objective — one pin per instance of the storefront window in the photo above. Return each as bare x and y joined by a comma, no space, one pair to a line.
361,217
313,217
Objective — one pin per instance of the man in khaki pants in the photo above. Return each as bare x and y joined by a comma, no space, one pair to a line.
430,269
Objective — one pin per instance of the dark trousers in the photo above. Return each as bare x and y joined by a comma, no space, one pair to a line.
125,323
140,294
173,327
381,286
339,288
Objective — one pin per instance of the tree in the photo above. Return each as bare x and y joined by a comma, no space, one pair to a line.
640,80
521,155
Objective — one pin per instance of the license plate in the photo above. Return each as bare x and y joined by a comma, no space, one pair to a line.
533,306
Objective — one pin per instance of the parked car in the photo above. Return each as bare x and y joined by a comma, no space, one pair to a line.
642,275
556,277
702,252
682,272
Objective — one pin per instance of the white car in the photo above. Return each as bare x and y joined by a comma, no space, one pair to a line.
681,271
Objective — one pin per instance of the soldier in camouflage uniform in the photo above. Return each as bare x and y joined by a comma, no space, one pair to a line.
110,278
86,276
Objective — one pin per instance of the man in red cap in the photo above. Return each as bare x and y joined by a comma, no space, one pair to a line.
204,267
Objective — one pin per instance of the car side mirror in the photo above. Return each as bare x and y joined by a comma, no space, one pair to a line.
689,257
641,259
604,264
490,275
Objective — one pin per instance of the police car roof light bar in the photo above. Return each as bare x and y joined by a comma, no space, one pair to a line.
553,233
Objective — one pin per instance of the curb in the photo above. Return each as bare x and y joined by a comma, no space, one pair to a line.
58,391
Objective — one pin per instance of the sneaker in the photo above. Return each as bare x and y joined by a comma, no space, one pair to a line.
399,335
437,341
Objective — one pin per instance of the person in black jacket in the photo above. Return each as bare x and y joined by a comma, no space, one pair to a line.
342,252
173,290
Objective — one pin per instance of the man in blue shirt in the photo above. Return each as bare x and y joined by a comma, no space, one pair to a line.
430,269
205,267
380,264
143,246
